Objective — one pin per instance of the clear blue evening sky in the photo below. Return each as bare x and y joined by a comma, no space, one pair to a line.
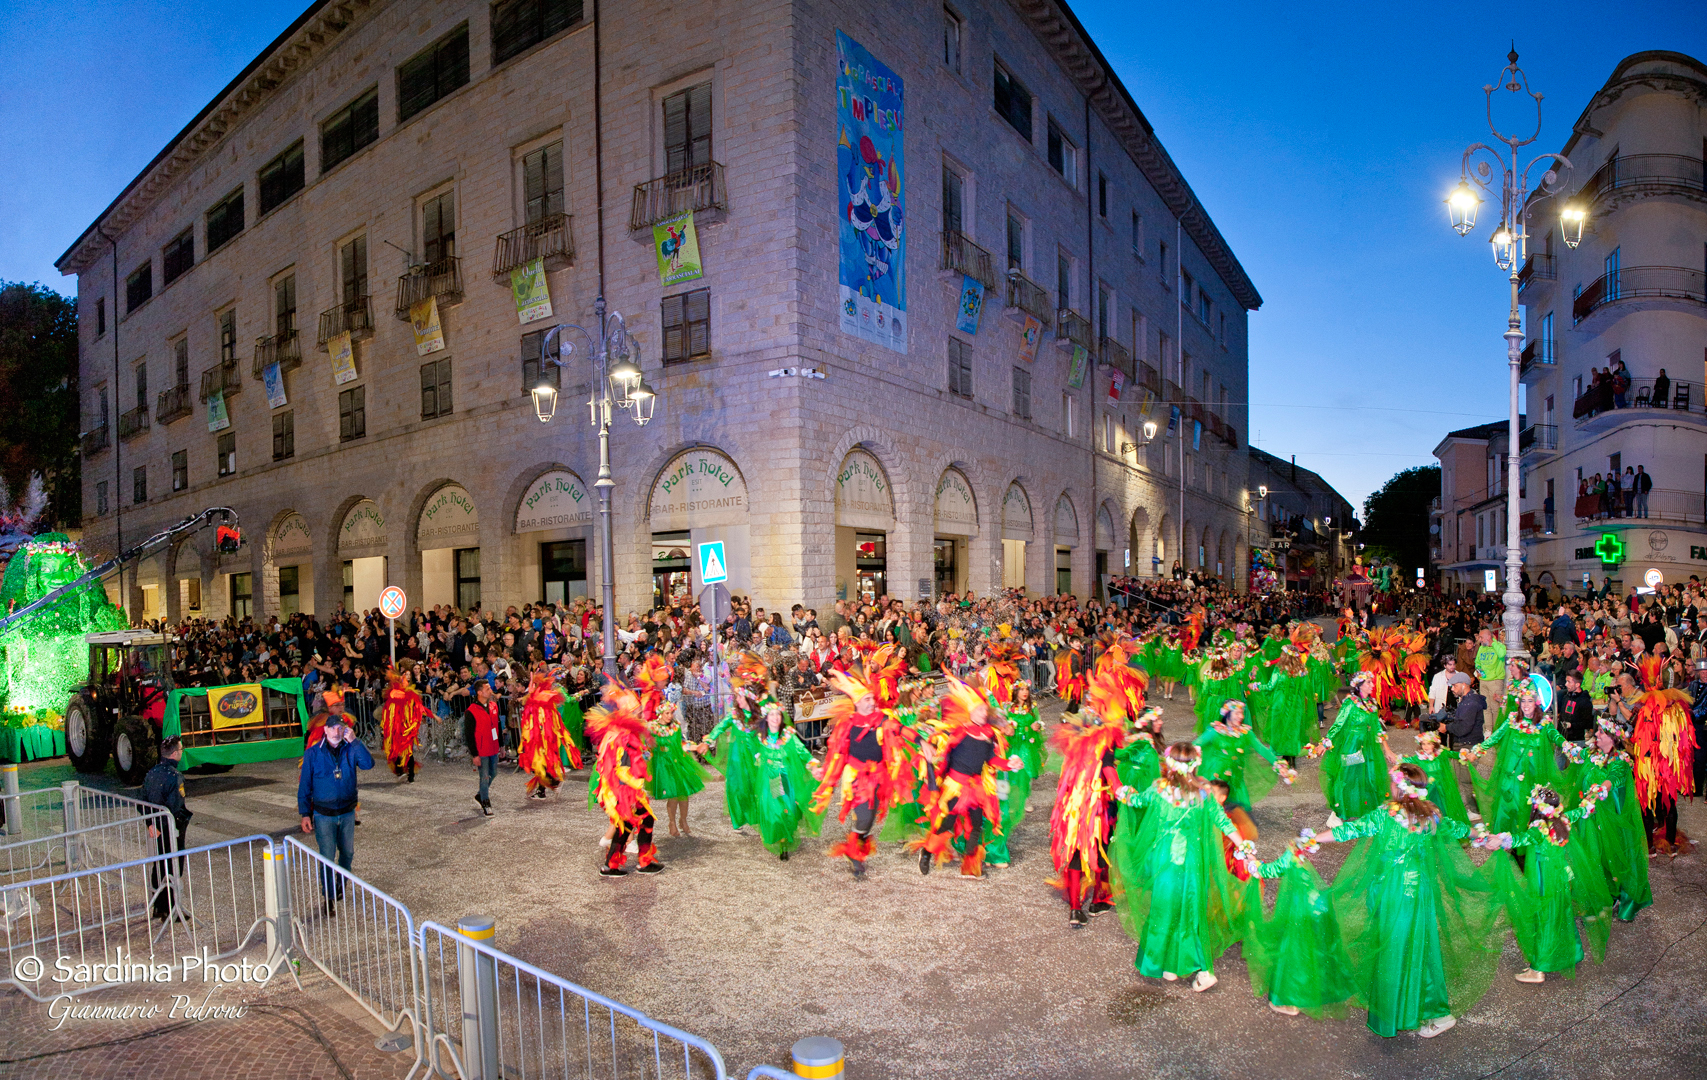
1322,140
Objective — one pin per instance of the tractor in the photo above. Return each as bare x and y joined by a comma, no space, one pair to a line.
119,710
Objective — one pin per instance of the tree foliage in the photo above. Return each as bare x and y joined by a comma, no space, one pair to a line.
38,386
1395,517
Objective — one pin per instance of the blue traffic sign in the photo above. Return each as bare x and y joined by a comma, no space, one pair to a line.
712,566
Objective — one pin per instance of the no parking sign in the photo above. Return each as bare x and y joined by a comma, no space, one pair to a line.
392,602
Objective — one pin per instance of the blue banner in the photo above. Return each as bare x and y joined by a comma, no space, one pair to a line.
870,168
971,305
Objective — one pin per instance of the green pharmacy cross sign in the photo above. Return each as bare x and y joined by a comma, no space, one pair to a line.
1610,549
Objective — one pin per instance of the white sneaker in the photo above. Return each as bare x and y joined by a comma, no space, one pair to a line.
1284,1010
1168,976
1530,975
1202,981
1475,816
1334,821
1439,1025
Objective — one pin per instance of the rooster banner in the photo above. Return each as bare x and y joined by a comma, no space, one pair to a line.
677,246
869,165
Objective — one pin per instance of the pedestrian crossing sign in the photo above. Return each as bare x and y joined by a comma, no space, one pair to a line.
712,567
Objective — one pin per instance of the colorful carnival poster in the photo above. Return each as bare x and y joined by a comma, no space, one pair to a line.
971,305
532,292
235,706
676,243
273,379
343,353
1029,336
870,170
1115,383
1081,366
217,418
424,317
1197,434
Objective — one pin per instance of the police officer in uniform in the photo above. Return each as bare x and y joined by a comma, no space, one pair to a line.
164,786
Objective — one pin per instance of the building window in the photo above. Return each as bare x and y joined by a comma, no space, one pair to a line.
352,414
438,228
290,590
352,269
282,177
106,412
139,484
349,129
349,578
139,287
1137,234
228,336
1013,102
531,368
226,448
284,435
435,388
224,220
518,25
467,578
1204,307
177,257
100,315
1185,284
242,596
1164,349
687,325
1162,263
100,497
1102,196
180,470
959,367
432,73
181,362
1222,333
687,129
951,29
1022,393
141,370
542,182
1063,281
284,307
1547,338
953,201
1063,155
1067,424
1107,433
1016,241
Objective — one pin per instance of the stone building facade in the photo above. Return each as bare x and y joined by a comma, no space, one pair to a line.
379,153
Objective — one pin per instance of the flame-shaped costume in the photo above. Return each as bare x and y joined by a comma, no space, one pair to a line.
963,795
400,722
868,757
1663,743
1083,818
542,741
619,732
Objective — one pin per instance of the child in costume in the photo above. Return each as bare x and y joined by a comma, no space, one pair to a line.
1176,896
676,775
400,720
1555,882
1663,746
1223,680
1615,833
1231,751
1441,769
963,795
868,758
1287,693
1527,745
1297,955
1354,762
624,744
733,742
1082,822
1024,733
782,785
542,742
1170,661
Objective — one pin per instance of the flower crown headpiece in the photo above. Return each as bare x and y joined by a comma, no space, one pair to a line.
1228,708
1405,787
1187,767
1540,805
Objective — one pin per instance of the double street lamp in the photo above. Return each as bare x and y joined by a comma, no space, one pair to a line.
618,385
1510,242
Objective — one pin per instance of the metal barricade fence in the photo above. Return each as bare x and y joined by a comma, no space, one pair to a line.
490,1016
135,836
367,948
208,903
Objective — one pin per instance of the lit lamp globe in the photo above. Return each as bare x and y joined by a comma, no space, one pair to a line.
1571,224
1461,206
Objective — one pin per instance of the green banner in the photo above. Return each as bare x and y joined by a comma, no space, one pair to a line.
531,291
235,753
677,246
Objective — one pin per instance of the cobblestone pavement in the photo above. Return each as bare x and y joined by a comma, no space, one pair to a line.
941,976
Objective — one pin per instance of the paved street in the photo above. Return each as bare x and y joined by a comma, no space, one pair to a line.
912,973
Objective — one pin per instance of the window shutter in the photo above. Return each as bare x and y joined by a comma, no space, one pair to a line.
699,125
672,323
676,132
698,313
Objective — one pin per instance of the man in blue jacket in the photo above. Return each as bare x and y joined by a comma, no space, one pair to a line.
326,800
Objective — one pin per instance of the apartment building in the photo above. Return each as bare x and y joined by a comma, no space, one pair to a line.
1471,537
926,306
1310,528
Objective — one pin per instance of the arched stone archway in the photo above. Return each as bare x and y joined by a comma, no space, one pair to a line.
955,526
287,566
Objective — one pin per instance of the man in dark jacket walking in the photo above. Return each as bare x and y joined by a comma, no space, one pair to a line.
164,786
1576,710
1465,727
326,801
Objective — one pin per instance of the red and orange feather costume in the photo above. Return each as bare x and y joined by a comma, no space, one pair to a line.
624,745
542,740
949,802
400,722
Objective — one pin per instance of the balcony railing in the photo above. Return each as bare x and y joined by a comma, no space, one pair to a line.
1538,437
1231,435
1028,296
1539,267
441,280
1072,327
133,423
697,189
1116,355
550,238
1539,353
1676,506
285,350
173,404
1644,394
1217,427
224,378
356,317
96,440
1645,172
962,256
1149,378
1641,283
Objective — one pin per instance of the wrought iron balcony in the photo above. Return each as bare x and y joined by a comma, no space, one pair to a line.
1664,283
1231,434
441,280
224,378
1116,355
1599,408
1027,296
960,255
1539,267
173,404
133,423
285,350
1072,328
1538,438
550,238
697,189
356,317
96,439
1538,356
1644,174
1149,378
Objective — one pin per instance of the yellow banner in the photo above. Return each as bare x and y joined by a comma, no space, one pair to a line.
343,353
232,706
424,315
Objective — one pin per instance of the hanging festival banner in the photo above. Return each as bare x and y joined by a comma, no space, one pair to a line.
532,292
870,169
1029,336
1081,364
273,379
424,317
235,706
343,353
1115,383
971,305
676,243
217,418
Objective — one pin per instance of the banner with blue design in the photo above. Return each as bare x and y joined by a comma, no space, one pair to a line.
870,172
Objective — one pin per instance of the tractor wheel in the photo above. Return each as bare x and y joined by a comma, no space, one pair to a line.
88,736
135,750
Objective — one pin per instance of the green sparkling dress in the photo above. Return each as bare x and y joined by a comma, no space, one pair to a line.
1290,716
1014,787
1614,833
1419,922
1297,954
782,788
1557,883
1525,755
1214,693
902,823
1354,772
733,754
1244,761
675,773
1176,897
1443,790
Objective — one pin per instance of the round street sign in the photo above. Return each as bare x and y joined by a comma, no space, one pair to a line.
392,602
1653,578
